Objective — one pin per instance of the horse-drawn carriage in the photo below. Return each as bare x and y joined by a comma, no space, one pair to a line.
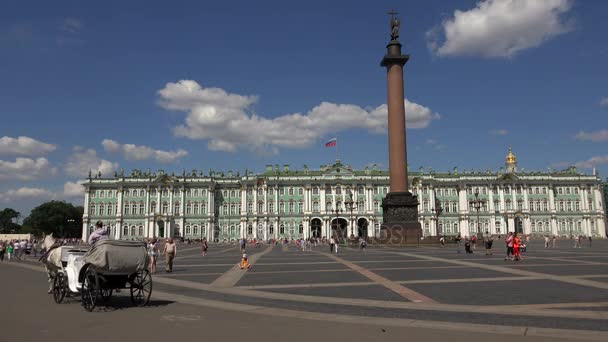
96,272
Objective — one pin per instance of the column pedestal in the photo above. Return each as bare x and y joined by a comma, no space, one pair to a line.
400,219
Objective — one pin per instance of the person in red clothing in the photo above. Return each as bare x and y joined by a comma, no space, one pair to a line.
516,247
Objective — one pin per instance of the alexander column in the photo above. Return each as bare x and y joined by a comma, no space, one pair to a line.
399,207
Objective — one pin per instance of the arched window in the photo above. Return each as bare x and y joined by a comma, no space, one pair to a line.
454,207
127,209
133,230
203,208
232,230
153,207
233,209
153,192
260,207
134,193
300,207
260,192
203,230
338,190
92,209
165,192
271,207
328,206
579,225
301,191
250,229
282,207
361,206
225,209
101,209
533,226
176,208
271,229
188,231
195,192
125,230
141,231
291,191
110,208
133,208
250,207
195,230
282,229
301,229
165,207
232,194
188,208
361,190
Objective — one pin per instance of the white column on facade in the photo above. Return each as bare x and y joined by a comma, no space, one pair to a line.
583,199
525,206
158,203
601,226
503,207
553,226
255,202
551,200
511,224
85,216
170,211
119,209
462,198
597,196
323,201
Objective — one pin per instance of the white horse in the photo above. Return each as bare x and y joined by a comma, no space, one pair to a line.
51,258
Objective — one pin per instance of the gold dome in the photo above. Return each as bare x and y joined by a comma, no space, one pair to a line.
511,158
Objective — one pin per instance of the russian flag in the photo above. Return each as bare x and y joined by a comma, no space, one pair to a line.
331,142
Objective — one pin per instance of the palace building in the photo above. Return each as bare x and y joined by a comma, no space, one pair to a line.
287,203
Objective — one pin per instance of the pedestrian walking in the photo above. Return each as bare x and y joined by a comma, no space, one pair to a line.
169,251
509,244
362,244
336,245
546,241
15,249
204,246
589,241
2,250
442,240
474,241
10,249
153,251
488,244
332,243
243,244
554,241
516,247
458,242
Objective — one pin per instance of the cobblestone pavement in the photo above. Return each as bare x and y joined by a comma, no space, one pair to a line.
552,293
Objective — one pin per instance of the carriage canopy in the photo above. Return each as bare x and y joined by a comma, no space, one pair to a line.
116,256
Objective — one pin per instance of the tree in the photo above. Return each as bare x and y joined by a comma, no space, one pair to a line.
7,216
60,218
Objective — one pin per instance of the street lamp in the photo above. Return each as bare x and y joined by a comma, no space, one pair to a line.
337,211
436,212
349,204
477,204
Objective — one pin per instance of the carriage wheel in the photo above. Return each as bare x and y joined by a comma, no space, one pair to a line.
90,290
59,287
141,288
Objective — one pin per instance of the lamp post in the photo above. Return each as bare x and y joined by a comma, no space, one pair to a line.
349,204
477,204
436,212
337,211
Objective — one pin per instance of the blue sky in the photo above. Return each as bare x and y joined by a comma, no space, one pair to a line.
237,85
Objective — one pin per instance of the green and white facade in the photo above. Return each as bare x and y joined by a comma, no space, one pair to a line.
285,203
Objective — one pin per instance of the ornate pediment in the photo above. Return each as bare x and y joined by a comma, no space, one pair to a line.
165,179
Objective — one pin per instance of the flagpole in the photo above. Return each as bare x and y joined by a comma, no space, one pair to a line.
337,147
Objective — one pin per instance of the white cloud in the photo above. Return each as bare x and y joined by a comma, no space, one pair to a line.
498,132
26,169
134,152
597,136
592,162
434,144
25,193
227,122
73,189
604,101
72,25
24,146
499,28
81,161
